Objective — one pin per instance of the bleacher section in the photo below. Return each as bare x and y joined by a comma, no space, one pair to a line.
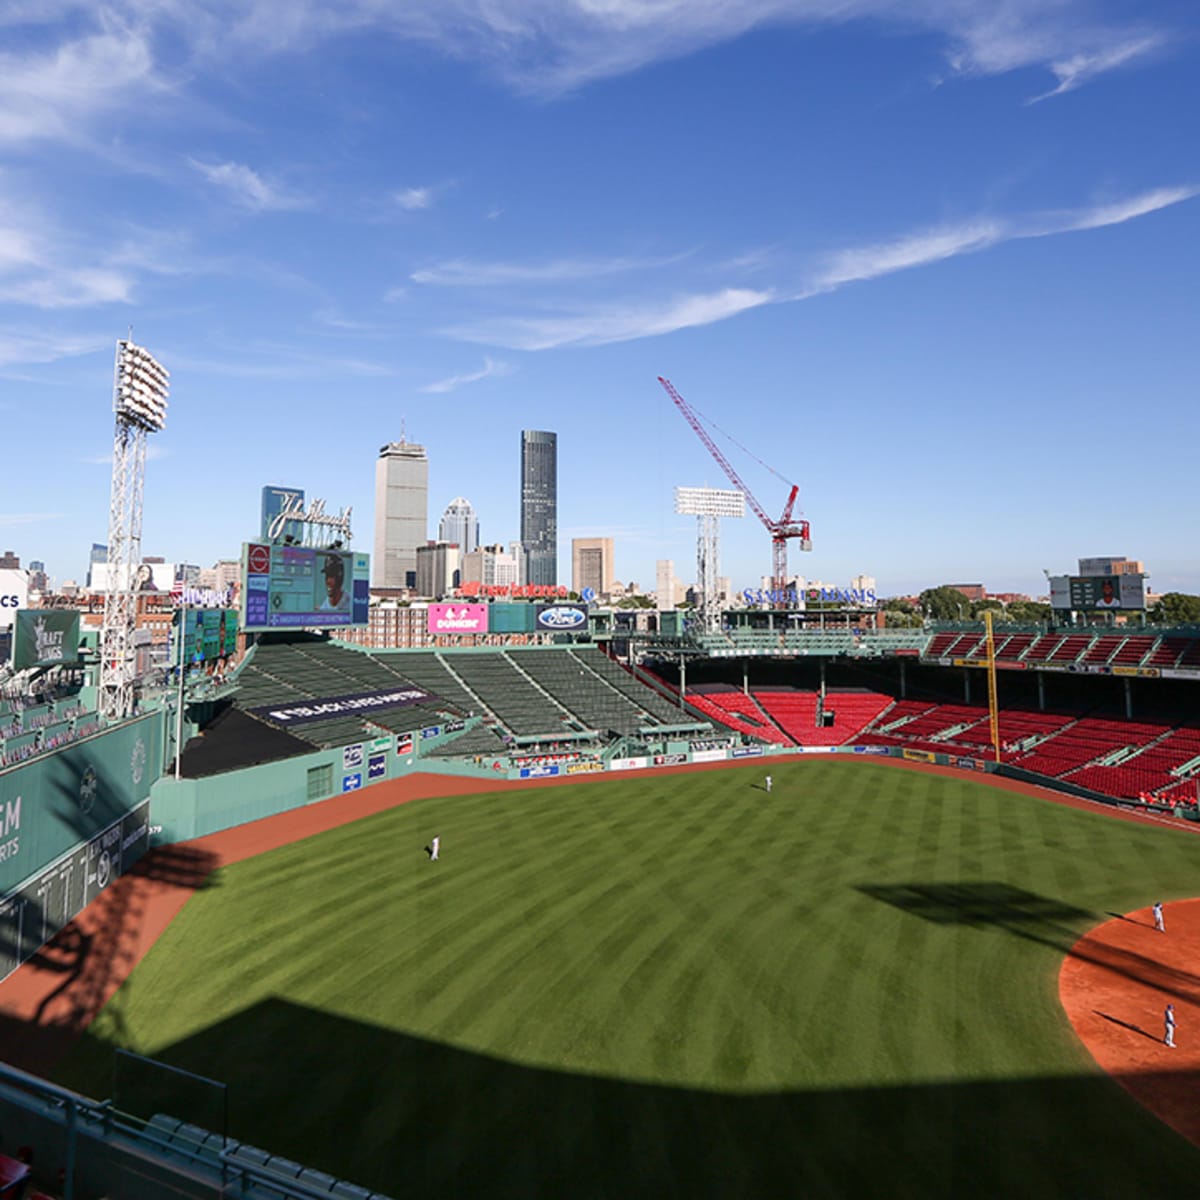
576,680
795,712
1085,740
732,708
512,696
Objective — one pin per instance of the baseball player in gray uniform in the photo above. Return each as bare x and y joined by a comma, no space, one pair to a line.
1169,1025
1158,917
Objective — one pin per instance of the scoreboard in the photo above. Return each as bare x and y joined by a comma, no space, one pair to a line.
300,587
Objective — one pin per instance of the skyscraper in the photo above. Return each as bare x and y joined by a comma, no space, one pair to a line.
401,513
592,565
460,525
539,505
99,554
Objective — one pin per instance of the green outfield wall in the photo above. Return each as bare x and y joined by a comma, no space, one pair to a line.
71,821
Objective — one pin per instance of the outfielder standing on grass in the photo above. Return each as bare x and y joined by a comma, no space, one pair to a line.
1158,917
434,846
768,785
1169,1024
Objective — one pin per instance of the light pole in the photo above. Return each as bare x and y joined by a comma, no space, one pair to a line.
182,664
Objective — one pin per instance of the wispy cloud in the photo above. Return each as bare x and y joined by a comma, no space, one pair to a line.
949,241
489,370
1079,68
413,198
602,326
911,250
30,347
248,188
9,520
57,93
41,267
463,273
599,326
547,46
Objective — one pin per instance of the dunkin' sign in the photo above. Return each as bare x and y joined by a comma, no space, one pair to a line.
458,618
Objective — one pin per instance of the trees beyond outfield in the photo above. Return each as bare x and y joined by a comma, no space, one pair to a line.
1176,608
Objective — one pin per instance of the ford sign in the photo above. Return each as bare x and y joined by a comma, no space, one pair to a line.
561,616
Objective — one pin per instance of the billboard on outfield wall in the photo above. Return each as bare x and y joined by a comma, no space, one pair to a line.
1080,593
458,618
299,587
56,800
45,637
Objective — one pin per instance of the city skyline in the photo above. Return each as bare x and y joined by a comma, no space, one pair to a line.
931,266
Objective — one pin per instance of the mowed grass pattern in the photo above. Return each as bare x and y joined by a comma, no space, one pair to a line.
671,985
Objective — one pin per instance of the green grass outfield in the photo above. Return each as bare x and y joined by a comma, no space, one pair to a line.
671,986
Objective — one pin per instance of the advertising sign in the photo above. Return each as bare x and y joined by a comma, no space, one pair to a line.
340,706
628,764
14,594
1081,593
543,772
562,618
458,618
919,756
351,783
352,756
44,637
208,634
404,743
377,766
747,752
710,755
584,768
670,760
274,501
298,587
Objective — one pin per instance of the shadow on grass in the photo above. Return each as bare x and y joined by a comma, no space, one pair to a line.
93,954
1035,918
410,1116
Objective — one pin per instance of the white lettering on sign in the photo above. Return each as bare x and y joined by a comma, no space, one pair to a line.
293,510
10,818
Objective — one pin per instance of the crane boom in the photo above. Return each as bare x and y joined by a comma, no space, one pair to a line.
715,450
780,530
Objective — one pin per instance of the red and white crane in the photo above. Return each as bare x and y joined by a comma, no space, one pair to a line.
782,530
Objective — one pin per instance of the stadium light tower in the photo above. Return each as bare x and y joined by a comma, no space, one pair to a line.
708,505
140,386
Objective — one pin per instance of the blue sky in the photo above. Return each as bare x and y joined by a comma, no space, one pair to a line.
935,261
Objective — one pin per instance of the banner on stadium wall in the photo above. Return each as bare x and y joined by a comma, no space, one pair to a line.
377,766
543,772
710,755
968,764
816,749
628,764
1180,673
45,637
747,752
920,756
1137,672
585,768
353,705
670,760
352,756
404,743
880,750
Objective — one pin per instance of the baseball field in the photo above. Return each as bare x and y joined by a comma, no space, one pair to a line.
671,986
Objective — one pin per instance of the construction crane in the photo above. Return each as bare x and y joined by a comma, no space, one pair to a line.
781,531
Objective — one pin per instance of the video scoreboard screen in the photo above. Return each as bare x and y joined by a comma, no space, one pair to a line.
1083,593
208,634
298,587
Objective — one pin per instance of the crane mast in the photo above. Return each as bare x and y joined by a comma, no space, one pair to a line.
782,530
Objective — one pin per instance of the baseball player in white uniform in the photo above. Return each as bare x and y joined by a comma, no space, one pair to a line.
1158,917
1169,1024
434,846
768,785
